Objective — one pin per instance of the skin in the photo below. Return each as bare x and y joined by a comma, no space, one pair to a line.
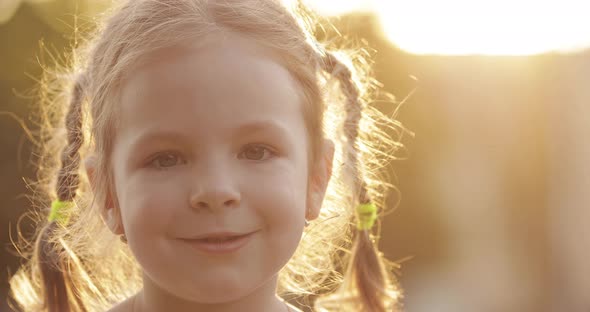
213,174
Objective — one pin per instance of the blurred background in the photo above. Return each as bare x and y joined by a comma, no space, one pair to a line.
496,182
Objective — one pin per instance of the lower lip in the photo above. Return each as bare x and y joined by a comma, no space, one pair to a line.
220,247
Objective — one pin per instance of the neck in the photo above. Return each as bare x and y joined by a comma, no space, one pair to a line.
264,299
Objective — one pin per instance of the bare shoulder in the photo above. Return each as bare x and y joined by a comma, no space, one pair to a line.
124,306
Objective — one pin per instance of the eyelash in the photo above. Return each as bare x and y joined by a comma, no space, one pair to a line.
167,153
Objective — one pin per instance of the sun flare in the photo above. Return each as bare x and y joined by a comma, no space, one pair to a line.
459,27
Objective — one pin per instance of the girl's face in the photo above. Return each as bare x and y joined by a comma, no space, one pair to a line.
212,140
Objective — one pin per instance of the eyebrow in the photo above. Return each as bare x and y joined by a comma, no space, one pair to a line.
262,125
275,128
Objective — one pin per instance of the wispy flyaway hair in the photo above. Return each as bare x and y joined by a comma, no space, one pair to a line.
82,266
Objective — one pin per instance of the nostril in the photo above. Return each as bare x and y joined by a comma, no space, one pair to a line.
230,202
215,199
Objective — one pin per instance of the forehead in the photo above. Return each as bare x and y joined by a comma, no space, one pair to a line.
221,84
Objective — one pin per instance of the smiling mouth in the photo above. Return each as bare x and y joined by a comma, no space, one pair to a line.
220,244
218,236
220,239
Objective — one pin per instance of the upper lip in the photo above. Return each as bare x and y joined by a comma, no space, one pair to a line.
219,235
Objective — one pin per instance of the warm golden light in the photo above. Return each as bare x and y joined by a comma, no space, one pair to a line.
491,27
338,7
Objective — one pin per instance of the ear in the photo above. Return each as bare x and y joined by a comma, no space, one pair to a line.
320,175
109,211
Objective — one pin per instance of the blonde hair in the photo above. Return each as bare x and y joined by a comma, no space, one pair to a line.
84,267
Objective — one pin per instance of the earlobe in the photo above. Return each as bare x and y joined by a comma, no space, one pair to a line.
329,158
90,166
320,180
113,220
109,214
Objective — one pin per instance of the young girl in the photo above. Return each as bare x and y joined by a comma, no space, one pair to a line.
169,102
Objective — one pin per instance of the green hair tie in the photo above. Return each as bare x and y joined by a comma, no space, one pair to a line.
367,214
60,211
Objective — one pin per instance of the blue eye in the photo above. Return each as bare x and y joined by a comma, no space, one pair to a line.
164,160
257,152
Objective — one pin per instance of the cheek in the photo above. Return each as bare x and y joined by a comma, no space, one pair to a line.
150,204
280,197
281,204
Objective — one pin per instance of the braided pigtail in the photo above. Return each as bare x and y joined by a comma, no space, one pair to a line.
367,284
51,253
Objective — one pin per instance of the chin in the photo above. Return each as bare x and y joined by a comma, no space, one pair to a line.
217,296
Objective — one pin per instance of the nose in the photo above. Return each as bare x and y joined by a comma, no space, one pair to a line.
214,189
